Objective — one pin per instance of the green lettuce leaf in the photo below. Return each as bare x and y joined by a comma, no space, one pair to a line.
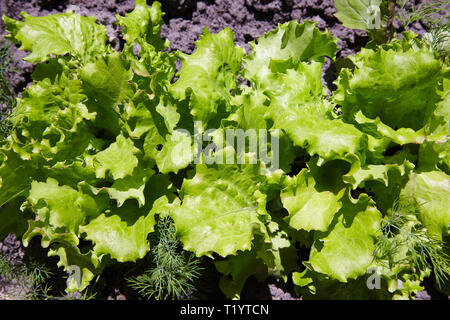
129,187
208,75
169,148
252,106
360,14
221,208
276,251
143,25
430,191
122,233
119,159
284,48
345,250
176,153
14,176
58,34
62,206
53,117
106,82
377,172
69,257
309,207
49,235
398,87
298,108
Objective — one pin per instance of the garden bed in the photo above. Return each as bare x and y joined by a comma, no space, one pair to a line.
184,22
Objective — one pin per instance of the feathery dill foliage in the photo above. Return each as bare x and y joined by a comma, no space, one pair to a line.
403,240
30,279
438,38
172,271
432,12
435,15
7,270
7,95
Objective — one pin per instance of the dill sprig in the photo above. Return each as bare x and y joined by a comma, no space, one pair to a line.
438,37
432,12
29,279
403,240
8,270
172,270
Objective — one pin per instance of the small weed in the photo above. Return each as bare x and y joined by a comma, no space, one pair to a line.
28,279
7,94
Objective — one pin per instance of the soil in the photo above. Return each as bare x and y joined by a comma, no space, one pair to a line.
184,22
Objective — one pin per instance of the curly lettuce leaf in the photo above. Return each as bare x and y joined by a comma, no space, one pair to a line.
71,174
122,233
129,187
377,172
298,108
62,206
143,25
252,106
345,250
283,48
395,88
14,176
87,263
430,190
169,148
309,207
106,82
52,116
208,75
119,159
221,208
58,34
276,250
381,134
176,153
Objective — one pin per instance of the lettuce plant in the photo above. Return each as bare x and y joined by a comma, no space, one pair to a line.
104,141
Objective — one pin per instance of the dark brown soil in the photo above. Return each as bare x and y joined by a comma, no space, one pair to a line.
185,20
